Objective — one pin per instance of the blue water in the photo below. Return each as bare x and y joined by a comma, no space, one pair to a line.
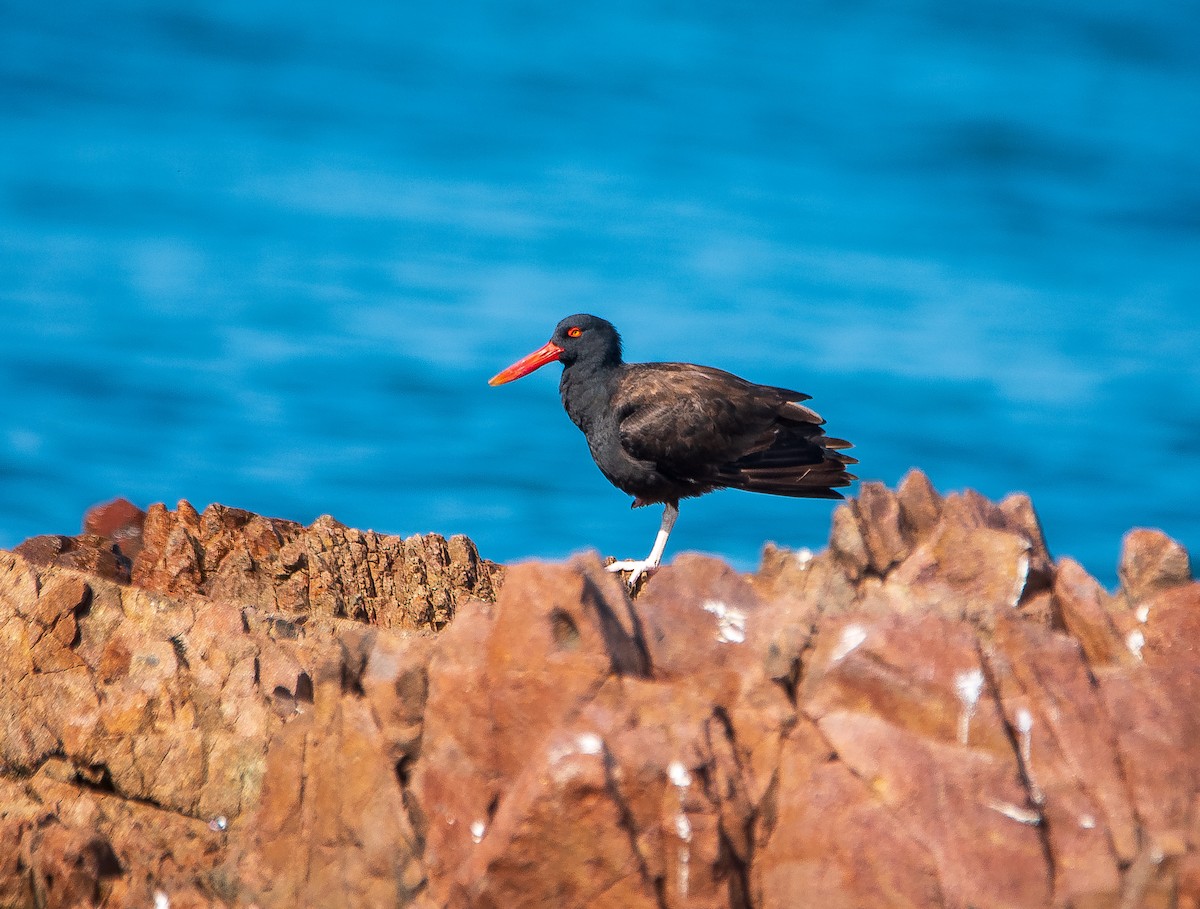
268,254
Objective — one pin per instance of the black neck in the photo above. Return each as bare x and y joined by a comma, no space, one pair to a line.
586,387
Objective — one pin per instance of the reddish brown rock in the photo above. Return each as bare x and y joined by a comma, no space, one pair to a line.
913,551
930,713
118,852
634,785
229,554
826,837
922,674
1067,747
1151,562
559,839
332,818
964,806
804,586
879,519
1016,514
88,553
120,522
962,570
920,505
707,628
526,665
905,704
846,542
327,568
1086,612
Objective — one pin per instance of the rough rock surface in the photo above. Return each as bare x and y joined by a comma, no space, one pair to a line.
930,713
236,556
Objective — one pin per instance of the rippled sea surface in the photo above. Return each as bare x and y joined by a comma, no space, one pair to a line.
268,255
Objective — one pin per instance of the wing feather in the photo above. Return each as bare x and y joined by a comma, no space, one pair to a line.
708,426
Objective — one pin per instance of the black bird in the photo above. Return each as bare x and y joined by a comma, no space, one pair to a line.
669,431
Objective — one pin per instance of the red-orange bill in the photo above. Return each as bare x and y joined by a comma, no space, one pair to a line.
527,364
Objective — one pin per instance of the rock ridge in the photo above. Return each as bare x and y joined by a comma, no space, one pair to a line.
230,710
227,553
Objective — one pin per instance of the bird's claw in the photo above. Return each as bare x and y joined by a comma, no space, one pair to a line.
636,567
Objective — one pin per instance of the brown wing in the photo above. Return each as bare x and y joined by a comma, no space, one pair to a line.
701,424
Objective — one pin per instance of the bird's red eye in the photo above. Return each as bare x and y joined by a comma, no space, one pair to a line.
574,332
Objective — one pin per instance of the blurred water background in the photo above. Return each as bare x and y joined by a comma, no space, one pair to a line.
267,254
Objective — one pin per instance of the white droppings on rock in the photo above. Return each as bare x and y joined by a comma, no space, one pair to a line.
585,743
1025,730
682,780
804,557
589,743
478,829
685,858
731,623
679,774
1087,822
1024,721
1017,813
161,900
1135,641
1143,613
1022,578
969,686
734,631
853,635
683,827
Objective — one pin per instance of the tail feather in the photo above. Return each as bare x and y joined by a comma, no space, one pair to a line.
816,481
796,459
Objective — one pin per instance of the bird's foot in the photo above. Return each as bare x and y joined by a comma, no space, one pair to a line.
636,567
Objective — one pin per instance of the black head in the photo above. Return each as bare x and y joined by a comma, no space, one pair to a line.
576,339
587,338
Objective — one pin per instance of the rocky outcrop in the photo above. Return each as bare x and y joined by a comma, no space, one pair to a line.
931,712
233,555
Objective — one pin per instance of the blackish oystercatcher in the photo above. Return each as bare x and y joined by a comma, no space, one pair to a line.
669,431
